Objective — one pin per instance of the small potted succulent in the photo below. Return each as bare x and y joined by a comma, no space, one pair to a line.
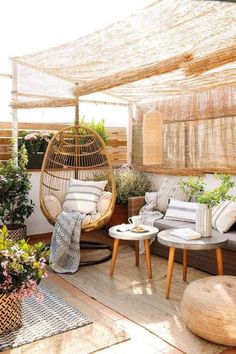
36,143
15,204
22,266
129,183
196,189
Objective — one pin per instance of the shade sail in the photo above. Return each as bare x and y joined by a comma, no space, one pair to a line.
169,48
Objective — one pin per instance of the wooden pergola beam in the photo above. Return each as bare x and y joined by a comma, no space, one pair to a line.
44,103
5,76
126,77
211,61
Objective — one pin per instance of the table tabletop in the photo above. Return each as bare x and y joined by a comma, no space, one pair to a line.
129,235
217,240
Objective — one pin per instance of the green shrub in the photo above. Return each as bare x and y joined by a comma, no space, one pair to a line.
195,188
130,183
15,204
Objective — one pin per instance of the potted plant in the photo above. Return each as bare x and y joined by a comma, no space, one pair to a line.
129,183
36,144
195,189
98,127
22,266
15,204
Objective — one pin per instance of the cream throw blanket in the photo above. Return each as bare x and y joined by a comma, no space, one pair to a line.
65,245
149,214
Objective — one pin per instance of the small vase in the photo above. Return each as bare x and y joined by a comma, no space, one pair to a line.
11,313
204,220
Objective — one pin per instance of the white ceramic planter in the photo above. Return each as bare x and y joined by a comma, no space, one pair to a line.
204,220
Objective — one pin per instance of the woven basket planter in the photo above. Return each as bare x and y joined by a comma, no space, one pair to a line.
11,317
16,232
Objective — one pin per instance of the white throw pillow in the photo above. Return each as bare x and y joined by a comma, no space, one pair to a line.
224,216
104,202
60,195
52,205
169,189
182,211
87,220
83,196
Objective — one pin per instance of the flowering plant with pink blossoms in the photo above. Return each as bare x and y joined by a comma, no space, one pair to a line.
22,266
34,141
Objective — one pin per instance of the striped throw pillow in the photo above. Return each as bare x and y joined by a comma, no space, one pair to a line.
82,196
182,211
224,216
169,189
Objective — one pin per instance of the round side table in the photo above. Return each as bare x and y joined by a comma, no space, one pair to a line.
133,236
205,243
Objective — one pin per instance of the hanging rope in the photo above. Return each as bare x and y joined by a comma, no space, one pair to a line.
77,109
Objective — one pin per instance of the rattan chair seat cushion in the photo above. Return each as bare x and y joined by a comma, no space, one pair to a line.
209,309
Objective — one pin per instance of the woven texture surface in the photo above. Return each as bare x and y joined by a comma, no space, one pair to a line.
10,310
198,132
209,309
164,49
76,152
43,319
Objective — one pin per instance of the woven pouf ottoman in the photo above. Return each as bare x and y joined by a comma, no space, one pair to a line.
209,309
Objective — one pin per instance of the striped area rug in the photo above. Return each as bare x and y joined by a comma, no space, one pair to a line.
42,319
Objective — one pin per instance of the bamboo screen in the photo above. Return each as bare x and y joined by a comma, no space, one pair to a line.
169,48
199,132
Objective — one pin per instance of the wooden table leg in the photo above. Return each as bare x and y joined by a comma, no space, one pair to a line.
219,261
148,258
169,270
136,243
185,264
114,254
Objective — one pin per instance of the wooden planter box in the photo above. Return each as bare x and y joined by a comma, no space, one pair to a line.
35,161
119,216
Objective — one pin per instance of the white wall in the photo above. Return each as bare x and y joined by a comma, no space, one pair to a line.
37,223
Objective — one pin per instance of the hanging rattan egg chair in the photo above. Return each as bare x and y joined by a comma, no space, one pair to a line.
77,152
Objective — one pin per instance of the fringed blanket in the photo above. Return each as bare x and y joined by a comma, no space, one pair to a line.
65,244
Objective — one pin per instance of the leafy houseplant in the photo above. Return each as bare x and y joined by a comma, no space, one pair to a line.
129,183
15,204
36,144
195,189
98,127
22,266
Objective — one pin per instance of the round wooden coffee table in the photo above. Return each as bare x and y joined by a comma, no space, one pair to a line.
216,241
133,236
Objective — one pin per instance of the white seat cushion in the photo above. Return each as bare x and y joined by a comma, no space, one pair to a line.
83,196
182,211
104,202
224,216
52,205
60,195
169,189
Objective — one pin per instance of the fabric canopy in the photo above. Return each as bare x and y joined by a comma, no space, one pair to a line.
169,48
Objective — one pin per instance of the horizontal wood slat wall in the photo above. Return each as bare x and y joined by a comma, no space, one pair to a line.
117,145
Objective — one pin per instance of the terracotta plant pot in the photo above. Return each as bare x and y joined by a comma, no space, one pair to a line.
119,216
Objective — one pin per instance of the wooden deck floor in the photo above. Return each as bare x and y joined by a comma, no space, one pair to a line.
141,340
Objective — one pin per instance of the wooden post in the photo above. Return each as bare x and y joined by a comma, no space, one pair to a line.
130,134
14,112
